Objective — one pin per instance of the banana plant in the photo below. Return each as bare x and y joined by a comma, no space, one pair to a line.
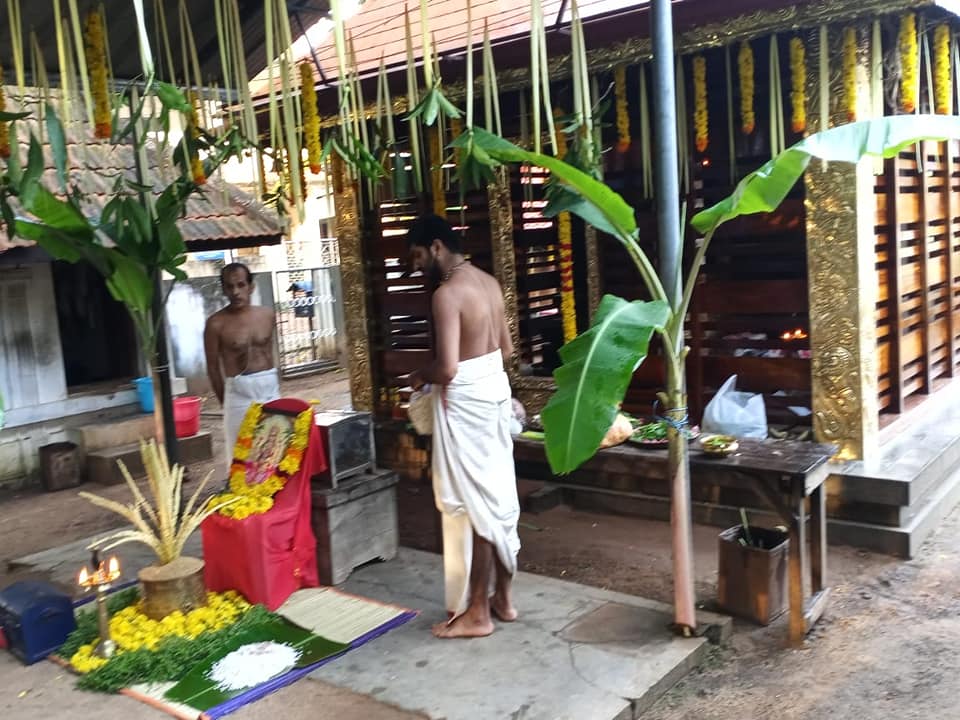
598,365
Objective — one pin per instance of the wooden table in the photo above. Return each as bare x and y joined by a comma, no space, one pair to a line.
783,473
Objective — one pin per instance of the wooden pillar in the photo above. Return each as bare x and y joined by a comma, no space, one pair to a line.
840,211
354,283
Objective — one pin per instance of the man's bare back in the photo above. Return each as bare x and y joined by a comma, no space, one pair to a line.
478,300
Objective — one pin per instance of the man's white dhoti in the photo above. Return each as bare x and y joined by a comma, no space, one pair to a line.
239,393
474,480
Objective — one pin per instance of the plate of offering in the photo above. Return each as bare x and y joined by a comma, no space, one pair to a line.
719,445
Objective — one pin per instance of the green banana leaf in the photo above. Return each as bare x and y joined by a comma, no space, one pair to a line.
196,689
764,189
591,382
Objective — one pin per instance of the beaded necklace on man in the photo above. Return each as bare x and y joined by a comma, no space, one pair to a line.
449,273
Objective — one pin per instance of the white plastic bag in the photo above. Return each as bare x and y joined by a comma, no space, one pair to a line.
420,411
737,413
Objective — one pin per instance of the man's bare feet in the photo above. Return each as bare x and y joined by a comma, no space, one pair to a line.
503,609
465,626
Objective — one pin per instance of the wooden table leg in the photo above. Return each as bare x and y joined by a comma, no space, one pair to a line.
798,567
818,540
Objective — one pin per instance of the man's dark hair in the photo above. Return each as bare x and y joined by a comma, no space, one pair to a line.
234,267
428,228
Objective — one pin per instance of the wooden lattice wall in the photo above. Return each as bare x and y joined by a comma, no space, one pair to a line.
918,273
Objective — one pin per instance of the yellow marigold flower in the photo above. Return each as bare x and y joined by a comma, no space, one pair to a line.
850,72
623,114
700,111
943,89
798,80
94,48
909,63
745,65
311,117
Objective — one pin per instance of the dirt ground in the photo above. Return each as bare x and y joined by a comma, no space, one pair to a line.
886,648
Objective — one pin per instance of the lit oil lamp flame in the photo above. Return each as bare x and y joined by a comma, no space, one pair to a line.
84,577
797,334
113,568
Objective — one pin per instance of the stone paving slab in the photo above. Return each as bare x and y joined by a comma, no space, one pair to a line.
575,653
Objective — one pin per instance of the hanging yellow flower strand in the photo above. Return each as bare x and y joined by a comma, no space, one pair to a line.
943,92
798,80
196,164
909,63
850,73
700,115
4,126
745,64
623,115
311,117
568,306
94,47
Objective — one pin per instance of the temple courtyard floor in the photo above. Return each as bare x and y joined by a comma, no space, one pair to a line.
591,642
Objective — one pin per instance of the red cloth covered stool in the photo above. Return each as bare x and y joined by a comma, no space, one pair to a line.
267,557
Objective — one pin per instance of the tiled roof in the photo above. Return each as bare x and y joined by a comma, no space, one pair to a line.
219,218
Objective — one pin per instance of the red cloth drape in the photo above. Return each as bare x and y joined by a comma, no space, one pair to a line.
269,556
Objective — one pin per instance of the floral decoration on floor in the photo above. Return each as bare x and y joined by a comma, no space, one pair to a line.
268,452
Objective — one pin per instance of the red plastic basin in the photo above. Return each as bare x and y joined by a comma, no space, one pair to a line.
186,416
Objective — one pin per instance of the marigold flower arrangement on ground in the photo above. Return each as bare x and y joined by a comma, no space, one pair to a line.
132,630
246,499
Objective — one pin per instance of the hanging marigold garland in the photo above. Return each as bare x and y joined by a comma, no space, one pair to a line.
4,126
94,46
311,117
568,305
623,114
909,63
196,164
246,499
745,63
700,114
943,90
436,171
798,82
850,73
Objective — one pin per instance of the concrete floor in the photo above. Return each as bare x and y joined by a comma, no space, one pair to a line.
576,652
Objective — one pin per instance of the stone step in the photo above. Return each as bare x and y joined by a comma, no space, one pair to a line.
102,464
127,430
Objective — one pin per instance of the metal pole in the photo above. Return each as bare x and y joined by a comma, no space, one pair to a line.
670,252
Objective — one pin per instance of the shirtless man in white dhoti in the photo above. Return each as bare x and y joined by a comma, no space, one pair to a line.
474,480
238,342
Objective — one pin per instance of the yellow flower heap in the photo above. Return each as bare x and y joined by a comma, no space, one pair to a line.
4,126
909,63
623,115
132,630
245,499
850,73
700,116
798,89
745,64
94,46
943,91
311,117
568,305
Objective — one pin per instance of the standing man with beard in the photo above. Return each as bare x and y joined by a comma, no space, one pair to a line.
474,479
238,342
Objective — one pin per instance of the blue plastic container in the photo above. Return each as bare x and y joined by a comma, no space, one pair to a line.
144,386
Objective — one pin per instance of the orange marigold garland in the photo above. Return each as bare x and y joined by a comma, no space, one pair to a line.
568,305
623,114
4,126
909,63
798,89
196,164
246,499
748,119
943,91
700,115
311,117
95,50
850,73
